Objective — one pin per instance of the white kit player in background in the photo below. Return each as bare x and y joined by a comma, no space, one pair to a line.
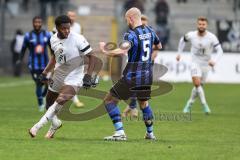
75,27
68,52
203,43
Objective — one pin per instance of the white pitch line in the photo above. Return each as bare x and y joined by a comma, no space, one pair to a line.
15,84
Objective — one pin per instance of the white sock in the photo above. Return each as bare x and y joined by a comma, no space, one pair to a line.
193,96
75,99
48,116
55,121
201,94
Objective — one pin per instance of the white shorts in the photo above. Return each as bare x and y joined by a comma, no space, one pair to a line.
199,71
59,79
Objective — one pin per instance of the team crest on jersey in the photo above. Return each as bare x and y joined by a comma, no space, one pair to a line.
39,49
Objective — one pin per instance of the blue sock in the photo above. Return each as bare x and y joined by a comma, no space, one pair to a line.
148,118
115,115
45,89
133,103
39,94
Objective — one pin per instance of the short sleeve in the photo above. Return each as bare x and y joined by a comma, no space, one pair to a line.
156,40
187,37
83,45
128,37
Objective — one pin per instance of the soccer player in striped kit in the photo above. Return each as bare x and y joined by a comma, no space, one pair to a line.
37,42
137,76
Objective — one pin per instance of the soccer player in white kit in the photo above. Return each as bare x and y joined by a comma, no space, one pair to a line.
202,44
67,49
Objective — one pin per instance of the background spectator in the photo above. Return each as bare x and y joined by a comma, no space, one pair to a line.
16,46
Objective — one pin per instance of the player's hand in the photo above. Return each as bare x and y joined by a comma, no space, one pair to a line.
87,81
178,57
211,63
101,46
43,78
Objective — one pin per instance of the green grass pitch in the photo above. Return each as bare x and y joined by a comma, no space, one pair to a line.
214,137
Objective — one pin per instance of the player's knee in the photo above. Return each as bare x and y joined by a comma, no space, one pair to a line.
63,98
109,99
196,82
143,104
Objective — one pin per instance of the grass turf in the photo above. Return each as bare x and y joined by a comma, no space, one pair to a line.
204,137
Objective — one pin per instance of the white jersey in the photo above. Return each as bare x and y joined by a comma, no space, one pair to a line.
69,68
201,46
76,27
69,48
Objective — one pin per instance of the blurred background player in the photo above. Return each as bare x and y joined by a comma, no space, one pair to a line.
133,77
68,51
75,27
202,44
16,47
36,42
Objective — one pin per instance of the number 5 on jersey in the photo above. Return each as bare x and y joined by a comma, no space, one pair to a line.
146,49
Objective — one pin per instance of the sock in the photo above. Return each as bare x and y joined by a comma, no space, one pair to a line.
193,96
39,94
75,99
48,116
148,118
201,94
115,115
133,103
55,121
44,92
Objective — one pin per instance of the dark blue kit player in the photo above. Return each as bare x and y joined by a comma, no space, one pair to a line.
37,42
136,80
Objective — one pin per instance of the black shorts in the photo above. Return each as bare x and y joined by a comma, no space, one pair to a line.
123,91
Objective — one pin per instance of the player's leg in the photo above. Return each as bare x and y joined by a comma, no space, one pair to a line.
206,108
115,115
66,93
148,118
119,91
56,123
77,102
196,74
38,89
131,108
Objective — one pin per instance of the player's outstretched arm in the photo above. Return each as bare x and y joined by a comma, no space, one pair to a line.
115,52
219,51
181,46
50,66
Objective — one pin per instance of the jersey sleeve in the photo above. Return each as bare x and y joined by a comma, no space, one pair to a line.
215,41
187,37
156,40
83,45
128,37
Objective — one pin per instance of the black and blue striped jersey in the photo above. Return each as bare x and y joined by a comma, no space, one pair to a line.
38,52
139,67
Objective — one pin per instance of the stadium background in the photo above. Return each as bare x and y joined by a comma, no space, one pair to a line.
213,137
103,21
